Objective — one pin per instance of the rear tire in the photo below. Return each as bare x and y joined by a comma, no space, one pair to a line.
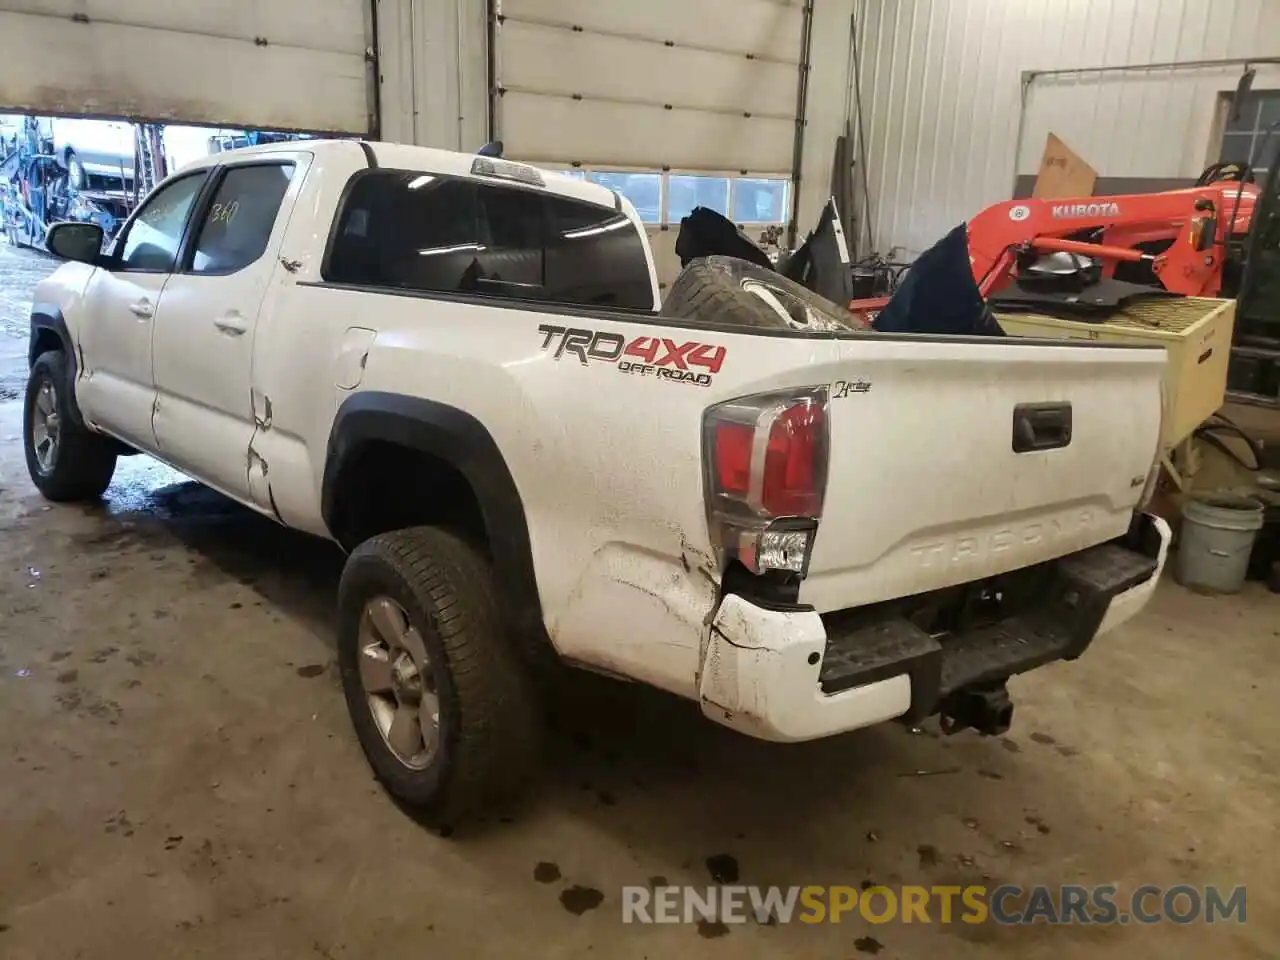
65,459
420,635
729,290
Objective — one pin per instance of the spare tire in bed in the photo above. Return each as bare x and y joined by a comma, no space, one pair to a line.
729,290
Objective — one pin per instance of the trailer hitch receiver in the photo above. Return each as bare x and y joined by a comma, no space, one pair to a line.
986,709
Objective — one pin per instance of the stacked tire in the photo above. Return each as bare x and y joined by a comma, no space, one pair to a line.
726,290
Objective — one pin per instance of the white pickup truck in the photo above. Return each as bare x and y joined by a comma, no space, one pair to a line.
456,367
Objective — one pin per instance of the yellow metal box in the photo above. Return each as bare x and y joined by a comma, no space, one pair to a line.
1196,335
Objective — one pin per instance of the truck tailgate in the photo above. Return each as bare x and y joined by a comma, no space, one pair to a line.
952,461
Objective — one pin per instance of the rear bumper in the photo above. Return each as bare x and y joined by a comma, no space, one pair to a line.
1124,606
791,675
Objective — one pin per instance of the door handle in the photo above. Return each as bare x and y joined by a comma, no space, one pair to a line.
1041,426
142,309
232,325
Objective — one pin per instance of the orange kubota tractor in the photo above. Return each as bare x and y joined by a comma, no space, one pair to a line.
1181,239
1219,238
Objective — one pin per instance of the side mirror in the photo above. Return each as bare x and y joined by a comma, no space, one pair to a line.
75,241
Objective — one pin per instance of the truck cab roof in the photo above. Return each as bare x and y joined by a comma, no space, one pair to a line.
399,156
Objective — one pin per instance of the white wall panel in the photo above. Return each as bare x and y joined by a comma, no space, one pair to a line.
829,106
942,95
550,129
689,84
763,28
293,65
433,60
1155,124
712,61
605,67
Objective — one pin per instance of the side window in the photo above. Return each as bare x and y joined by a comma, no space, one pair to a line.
153,238
234,230
595,256
400,229
437,234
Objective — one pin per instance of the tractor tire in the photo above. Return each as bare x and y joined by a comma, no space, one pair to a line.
729,290
441,700
66,460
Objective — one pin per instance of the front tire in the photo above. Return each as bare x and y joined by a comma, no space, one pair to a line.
440,699
66,460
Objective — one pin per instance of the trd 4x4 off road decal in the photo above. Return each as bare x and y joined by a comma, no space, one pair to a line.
643,356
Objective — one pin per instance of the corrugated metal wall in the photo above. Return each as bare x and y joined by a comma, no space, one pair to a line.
941,93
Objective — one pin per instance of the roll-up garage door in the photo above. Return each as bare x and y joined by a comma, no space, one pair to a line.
662,84
272,64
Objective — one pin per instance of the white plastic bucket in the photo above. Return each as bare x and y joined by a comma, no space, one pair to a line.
1218,530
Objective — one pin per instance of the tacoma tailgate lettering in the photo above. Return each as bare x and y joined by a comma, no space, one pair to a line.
969,548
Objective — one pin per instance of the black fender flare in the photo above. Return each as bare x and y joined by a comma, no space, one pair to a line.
47,318
46,321
460,440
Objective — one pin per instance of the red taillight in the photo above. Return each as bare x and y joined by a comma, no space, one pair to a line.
769,453
792,470
733,443
765,460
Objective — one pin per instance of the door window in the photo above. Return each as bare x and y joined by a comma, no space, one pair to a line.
415,231
235,228
440,234
156,232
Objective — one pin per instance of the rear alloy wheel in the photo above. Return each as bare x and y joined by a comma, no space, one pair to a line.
65,459
439,695
399,682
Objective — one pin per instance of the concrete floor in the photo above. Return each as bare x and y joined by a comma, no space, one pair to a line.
180,779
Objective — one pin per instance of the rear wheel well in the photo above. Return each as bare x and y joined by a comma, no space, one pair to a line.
385,486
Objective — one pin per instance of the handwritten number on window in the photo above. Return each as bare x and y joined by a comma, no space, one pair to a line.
224,212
